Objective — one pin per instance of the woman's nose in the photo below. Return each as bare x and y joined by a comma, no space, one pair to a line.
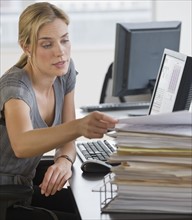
60,50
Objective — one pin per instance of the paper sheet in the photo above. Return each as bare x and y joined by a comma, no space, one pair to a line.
179,117
175,123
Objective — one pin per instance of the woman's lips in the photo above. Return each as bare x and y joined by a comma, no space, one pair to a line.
59,64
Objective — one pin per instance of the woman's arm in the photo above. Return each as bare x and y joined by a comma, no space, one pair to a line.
29,142
68,115
57,174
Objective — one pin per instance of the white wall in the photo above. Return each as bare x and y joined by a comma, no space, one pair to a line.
92,65
177,10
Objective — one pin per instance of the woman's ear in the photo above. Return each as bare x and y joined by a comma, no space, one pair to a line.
26,49
28,53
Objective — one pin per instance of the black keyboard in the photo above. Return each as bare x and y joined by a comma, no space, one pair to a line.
97,150
116,106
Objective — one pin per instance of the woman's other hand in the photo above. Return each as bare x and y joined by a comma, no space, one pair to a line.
56,176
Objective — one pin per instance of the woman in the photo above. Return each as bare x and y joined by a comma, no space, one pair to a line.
37,112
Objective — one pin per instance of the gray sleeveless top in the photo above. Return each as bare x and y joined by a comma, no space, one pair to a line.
15,84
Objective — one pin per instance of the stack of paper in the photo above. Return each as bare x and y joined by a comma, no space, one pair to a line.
155,174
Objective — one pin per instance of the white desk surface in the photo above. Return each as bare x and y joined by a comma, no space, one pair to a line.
88,202
115,114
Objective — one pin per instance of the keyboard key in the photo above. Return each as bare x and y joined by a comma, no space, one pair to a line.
97,150
116,106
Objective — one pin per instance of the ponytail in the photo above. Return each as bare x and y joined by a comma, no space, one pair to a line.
22,61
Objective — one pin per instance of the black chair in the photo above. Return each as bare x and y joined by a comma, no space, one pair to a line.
106,92
10,194
45,162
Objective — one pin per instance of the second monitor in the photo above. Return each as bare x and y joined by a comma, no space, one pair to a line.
138,51
173,88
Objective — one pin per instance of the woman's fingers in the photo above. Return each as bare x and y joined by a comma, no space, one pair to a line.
53,180
97,124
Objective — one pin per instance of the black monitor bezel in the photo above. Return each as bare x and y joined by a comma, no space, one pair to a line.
120,79
184,94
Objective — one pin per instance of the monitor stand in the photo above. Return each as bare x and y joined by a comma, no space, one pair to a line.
137,113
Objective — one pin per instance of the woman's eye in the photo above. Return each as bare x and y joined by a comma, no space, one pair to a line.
46,46
64,41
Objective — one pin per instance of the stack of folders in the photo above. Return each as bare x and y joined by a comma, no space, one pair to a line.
155,174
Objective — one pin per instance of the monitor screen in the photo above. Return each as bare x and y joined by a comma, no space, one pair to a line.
173,88
138,51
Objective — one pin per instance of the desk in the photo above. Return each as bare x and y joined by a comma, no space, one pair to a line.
115,114
88,202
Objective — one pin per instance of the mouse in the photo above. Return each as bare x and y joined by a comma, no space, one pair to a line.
95,166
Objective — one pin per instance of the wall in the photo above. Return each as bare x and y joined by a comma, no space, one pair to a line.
92,64
177,10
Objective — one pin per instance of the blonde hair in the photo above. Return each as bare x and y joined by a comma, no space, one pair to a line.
31,20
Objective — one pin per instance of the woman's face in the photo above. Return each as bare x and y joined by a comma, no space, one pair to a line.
53,49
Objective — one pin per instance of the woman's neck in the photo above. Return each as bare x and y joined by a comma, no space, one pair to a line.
40,82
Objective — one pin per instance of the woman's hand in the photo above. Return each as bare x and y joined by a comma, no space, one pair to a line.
96,124
56,177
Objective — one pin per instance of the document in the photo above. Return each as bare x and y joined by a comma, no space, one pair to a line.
116,158
175,123
155,171
148,140
176,118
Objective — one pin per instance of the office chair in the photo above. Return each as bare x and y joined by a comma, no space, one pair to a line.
45,162
10,194
106,92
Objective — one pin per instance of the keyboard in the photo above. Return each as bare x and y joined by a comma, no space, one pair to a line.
95,150
116,106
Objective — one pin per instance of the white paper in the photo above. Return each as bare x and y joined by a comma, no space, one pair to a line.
175,123
179,118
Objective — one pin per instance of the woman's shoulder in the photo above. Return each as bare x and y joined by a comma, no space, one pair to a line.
14,73
14,84
15,81
14,76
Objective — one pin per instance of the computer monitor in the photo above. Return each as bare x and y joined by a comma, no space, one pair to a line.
173,88
138,51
